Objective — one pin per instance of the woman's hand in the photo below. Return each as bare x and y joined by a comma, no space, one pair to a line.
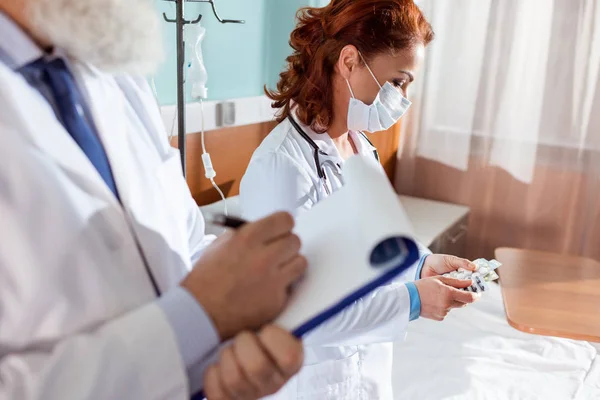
441,294
440,264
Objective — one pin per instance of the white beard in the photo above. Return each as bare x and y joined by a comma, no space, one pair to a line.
118,36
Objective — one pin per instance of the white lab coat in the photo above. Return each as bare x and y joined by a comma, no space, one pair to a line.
77,318
350,356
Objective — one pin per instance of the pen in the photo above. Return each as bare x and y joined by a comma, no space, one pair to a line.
228,222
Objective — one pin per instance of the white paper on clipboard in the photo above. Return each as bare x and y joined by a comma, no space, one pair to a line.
339,236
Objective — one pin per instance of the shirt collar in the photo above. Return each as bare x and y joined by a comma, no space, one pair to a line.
17,48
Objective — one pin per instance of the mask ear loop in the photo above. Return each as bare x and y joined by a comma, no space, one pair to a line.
350,88
369,69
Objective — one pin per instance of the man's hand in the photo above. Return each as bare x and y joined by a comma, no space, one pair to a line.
254,366
440,264
242,281
440,294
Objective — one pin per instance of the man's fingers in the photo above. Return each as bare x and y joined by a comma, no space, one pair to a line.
268,229
293,270
257,364
212,384
233,379
284,349
283,249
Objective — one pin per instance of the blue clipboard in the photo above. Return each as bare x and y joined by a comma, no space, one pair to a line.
393,256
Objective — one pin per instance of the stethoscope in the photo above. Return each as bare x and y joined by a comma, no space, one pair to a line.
327,164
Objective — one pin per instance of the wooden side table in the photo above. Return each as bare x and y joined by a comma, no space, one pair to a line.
550,294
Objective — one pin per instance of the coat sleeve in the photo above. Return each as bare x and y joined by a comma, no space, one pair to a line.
380,317
133,357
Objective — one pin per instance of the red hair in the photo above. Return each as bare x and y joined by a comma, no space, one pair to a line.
372,26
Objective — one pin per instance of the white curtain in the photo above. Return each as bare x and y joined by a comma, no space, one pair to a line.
506,120
507,80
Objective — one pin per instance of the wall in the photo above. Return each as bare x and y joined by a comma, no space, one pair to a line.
280,17
240,59
234,54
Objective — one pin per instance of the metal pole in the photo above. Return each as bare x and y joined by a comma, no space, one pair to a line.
181,81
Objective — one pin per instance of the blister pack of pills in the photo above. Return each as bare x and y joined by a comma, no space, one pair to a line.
485,271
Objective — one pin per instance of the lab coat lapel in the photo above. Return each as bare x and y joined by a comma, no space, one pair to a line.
107,105
141,176
23,106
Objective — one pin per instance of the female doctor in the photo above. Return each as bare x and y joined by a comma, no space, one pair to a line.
351,66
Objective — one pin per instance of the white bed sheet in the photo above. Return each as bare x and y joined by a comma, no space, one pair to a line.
475,354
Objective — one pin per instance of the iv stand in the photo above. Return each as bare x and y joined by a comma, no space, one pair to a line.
181,22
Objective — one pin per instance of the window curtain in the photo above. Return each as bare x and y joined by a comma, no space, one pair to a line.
506,120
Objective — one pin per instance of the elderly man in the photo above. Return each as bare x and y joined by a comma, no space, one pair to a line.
98,297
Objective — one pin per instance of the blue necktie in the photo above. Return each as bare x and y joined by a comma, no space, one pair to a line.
70,106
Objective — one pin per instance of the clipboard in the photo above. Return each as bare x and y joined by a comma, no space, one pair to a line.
356,240
408,255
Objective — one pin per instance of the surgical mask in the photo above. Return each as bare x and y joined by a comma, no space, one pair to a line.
387,109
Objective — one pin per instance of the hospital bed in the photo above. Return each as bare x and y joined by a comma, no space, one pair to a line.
474,353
